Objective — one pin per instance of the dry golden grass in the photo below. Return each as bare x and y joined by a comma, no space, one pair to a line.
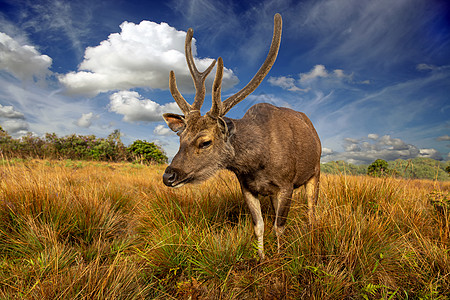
78,230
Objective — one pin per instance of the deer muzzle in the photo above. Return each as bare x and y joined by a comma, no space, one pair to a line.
175,178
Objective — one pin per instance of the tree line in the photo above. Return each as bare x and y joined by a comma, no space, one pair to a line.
80,147
416,168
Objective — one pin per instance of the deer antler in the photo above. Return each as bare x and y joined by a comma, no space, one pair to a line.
198,78
256,80
216,107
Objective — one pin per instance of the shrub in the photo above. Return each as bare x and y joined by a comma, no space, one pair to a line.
79,147
145,152
378,168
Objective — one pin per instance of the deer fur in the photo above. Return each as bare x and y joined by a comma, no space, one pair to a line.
272,150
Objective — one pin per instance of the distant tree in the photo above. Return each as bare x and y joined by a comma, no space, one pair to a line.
145,152
6,143
3,132
378,168
447,169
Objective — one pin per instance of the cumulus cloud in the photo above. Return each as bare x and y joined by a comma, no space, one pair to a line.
13,121
86,120
317,71
430,153
444,138
361,151
141,55
10,113
22,61
135,108
327,151
286,83
306,80
15,127
163,130
373,136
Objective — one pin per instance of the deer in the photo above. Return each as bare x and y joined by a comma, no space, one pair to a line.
271,150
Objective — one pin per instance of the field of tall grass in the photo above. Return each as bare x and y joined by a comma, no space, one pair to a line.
78,230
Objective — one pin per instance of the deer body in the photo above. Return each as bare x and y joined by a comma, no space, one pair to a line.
272,150
273,147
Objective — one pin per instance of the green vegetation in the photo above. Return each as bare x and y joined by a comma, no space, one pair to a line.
426,168
79,147
97,230
145,152
417,168
378,168
342,167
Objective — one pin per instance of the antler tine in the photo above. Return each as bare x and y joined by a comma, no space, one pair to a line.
182,103
262,72
216,107
198,77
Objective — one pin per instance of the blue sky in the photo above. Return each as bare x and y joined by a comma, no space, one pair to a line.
373,76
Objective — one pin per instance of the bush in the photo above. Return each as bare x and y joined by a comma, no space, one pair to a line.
79,147
145,152
378,168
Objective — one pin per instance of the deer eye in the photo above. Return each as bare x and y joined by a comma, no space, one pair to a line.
205,144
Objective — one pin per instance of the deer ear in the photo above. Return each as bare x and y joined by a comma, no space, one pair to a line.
175,122
226,126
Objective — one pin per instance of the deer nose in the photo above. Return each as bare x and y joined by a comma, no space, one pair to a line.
169,177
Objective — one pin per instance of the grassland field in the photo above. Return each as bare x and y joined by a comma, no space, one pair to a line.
88,230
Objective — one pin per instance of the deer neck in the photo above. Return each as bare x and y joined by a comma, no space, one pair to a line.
248,146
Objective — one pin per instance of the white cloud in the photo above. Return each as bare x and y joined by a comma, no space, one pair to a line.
44,109
10,113
86,120
339,73
15,127
444,138
13,121
317,71
22,61
422,67
360,151
135,108
308,81
163,130
286,83
282,81
264,98
327,151
396,144
373,136
430,153
427,67
351,141
141,55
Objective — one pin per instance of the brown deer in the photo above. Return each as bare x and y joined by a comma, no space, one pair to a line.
272,150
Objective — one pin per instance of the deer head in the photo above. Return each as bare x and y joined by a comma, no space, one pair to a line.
205,140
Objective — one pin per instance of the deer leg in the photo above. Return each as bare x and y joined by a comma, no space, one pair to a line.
281,204
258,222
312,193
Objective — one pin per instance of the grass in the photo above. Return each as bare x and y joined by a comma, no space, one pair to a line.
79,230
